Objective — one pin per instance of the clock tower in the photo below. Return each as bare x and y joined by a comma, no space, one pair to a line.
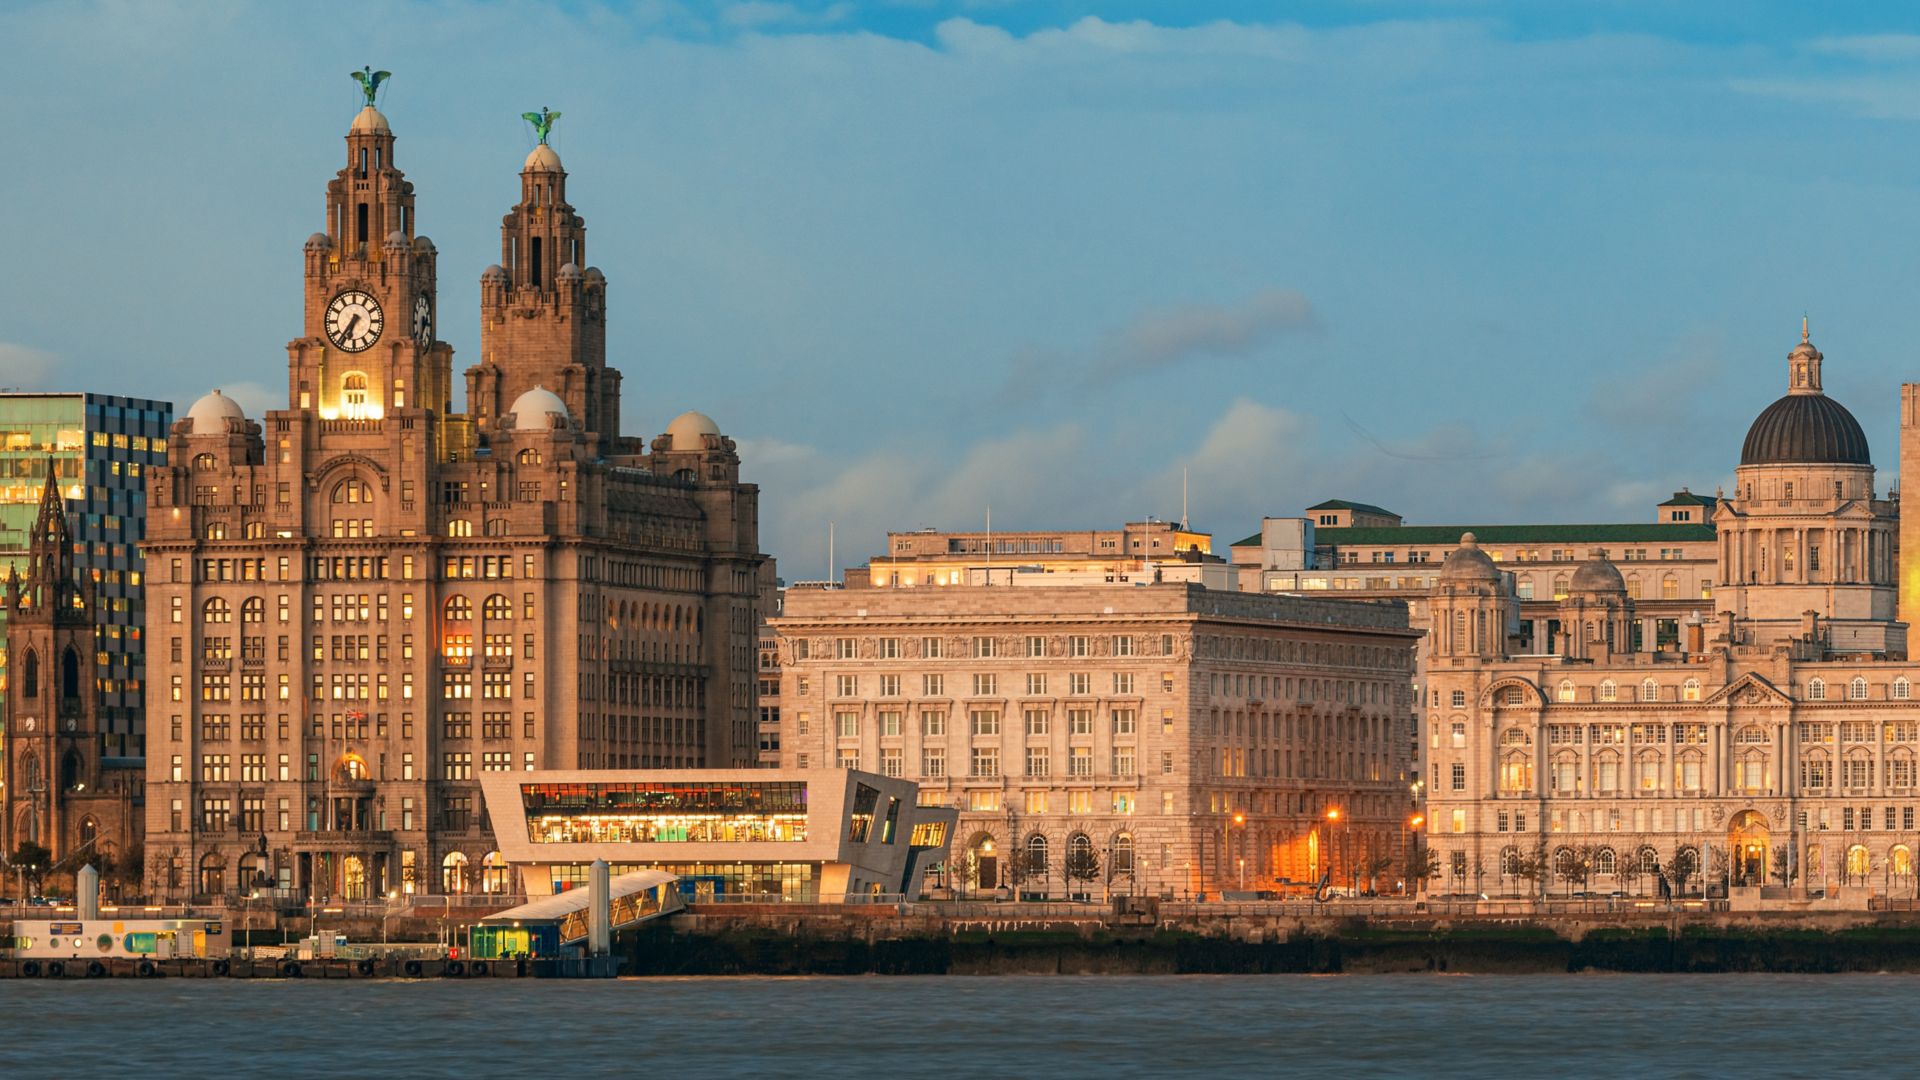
370,347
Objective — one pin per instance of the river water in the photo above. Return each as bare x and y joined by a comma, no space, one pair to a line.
1058,1027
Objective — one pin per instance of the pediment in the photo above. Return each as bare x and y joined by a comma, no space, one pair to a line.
1749,689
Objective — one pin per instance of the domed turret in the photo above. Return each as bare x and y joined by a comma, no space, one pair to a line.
543,159
1468,563
319,242
568,272
494,273
689,430
1597,575
370,122
540,409
1806,427
210,415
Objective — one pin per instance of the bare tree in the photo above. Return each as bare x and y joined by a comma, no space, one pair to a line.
1782,866
1079,863
1626,866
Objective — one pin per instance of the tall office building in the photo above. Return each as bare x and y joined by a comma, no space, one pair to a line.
363,600
100,447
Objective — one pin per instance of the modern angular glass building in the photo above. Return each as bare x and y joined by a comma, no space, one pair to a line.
99,446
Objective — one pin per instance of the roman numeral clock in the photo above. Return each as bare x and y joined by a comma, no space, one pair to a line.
354,321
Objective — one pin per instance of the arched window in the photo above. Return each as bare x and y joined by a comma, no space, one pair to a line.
495,875
70,772
1902,689
70,674
213,875
1560,588
1857,689
1563,863
1633,586
1901,858
1603,862
352,491
1649,691
89,831
459,528
30,675
216,610
1817,690
529,456
1609,691
351,767
353,394
1082,864
1565,691
204,463
1669,588
497,607
1123,854
253,610
1036,856
1690,690
1649,861
459,609
216,530
1509,862
453,872
1859,865
353,878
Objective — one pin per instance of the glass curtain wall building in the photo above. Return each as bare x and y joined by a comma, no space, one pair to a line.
99,446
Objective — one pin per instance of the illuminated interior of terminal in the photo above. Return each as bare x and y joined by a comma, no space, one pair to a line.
606,813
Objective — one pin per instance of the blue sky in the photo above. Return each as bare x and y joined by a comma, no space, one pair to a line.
1477,262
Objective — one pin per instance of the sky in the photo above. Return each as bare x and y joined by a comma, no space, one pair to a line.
1477,262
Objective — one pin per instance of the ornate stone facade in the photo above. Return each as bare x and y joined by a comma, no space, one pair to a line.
361,603
1193,741
1777,744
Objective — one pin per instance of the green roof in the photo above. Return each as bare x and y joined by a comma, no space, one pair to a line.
1688,498
1342,504
1517,534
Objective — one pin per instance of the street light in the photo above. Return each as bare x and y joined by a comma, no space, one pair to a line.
1416,868
1334,817
1240,847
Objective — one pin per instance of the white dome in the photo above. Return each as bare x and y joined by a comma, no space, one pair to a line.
688,431
543,159
370,120
536,409
210,414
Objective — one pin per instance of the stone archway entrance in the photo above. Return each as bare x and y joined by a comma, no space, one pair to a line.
1750,843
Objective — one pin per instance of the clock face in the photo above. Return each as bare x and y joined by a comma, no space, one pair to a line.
354,321
423,321
27,722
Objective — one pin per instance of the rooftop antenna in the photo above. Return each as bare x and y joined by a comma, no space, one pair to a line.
829,553
1183,498
989,544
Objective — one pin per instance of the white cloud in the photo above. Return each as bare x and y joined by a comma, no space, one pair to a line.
24,368
1168,337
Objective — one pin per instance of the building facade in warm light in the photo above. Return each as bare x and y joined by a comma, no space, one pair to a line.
819,834
1136,552
362,602
99,446
1775,742
1163,739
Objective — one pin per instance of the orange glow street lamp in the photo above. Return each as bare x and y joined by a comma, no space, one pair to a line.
1334,818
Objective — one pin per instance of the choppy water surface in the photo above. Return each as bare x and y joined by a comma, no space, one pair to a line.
1372,1026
